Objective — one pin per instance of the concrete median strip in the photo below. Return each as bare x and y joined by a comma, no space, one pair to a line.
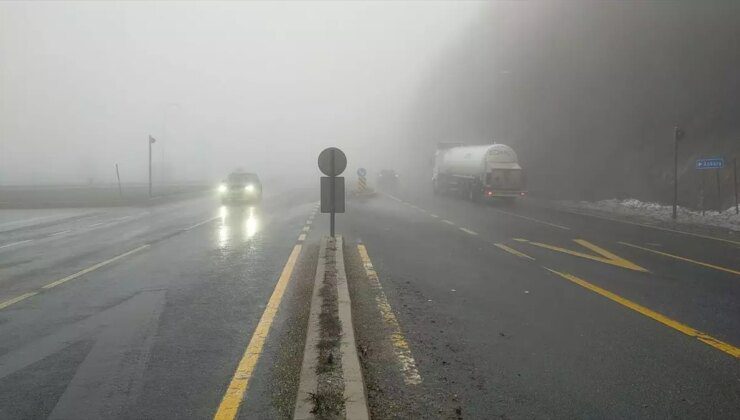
330,332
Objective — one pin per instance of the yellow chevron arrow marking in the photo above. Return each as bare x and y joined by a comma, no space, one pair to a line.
604,256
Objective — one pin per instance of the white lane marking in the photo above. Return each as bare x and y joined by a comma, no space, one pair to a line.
394,198
434,215
532,219
16,243
60,233
302,237
306,228
468,231
94,267
17,299
448,222
309,221
202,223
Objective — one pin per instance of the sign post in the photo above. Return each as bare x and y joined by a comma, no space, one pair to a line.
734,181
716,164
332,162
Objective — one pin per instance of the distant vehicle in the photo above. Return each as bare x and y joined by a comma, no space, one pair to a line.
388,179
478,172
240,187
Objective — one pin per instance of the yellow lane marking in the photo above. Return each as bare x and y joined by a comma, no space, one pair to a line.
705,338
94,267
400,345
232,400
532,219
448,222
514,251
652,227
468,231
17,299
665,254
605,257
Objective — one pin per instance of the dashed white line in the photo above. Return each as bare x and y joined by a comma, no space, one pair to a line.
202,223
15,243
448,222
60,233
468,231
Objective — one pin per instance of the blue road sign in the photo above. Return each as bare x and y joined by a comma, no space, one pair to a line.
361,172
711,163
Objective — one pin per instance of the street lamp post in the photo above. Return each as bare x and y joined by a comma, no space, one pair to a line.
678,134
150,142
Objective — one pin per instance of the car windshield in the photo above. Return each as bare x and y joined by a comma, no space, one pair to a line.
242,178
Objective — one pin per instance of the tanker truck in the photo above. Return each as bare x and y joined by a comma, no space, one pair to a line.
478,172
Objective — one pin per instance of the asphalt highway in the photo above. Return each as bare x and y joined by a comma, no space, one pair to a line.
191,309
146,312
526,312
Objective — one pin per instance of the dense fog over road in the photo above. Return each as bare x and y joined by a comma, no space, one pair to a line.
588,93
263,86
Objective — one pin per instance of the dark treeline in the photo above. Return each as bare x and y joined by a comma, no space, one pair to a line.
588,94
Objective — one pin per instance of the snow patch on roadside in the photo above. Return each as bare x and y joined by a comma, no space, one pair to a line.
654,211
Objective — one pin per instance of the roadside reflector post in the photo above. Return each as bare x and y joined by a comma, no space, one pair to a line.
332,162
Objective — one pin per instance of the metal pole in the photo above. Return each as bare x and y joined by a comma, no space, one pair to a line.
734,178
719,192
675,171
331,195
149,141
118,176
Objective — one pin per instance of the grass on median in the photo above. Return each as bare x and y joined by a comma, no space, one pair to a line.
328,401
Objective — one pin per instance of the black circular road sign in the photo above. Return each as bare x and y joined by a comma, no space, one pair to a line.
332,161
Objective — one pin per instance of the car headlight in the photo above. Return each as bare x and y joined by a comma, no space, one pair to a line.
222,188
249,188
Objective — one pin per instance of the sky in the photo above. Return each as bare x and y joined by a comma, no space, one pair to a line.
261,86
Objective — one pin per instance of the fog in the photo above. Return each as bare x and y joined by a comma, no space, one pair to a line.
261,86
588,94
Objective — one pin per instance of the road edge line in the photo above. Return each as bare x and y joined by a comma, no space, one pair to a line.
233,396
354,386
308,380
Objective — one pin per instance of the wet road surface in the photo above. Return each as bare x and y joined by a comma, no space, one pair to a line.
461,310
144,313
525,312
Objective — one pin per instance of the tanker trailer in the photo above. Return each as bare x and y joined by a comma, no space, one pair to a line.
484,172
